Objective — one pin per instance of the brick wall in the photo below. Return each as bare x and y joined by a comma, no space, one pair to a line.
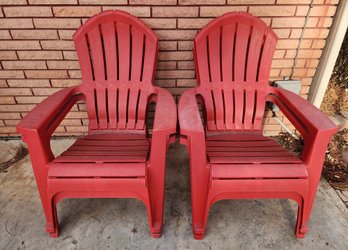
37,56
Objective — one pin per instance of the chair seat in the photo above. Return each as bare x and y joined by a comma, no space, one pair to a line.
251,155
103,155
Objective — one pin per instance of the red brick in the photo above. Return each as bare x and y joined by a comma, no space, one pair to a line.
318,44
174,74
201,2
13,2
197,23
45,91
167,45
282,33
213,11
153,2
316,33
46,74
271,10
76,11
63,64
64,83
74,74
5,34
7,100
19,45
176,34
134,10
279,53
66,34
56,23
11,123
185,45
288,22
8,130
8,55
160,23
39,55
166,65
77,115
15,91
186,83
166,83
51,2
287,44
24,65
293,1
186,65
175,11
11,115
71,122
29,83
16,107
58,45
70,55
11,74
76,129
37,11
29,99
3,83
175,55
34,34
282,63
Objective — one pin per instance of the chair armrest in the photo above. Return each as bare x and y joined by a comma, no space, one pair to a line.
189,117
165,112
315,127
48,114
308,119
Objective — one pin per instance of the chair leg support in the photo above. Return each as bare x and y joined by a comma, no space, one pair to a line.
52,220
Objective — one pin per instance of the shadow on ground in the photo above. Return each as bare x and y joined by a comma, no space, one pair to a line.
122,223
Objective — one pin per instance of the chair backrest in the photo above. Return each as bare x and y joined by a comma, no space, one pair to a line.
117,54
233,56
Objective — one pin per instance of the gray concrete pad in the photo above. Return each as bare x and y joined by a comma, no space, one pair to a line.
123,224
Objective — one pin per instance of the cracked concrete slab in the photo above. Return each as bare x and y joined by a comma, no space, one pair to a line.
122,223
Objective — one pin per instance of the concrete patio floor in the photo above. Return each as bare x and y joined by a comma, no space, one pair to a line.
123,224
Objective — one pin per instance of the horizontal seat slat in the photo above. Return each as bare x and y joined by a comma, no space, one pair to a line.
96,170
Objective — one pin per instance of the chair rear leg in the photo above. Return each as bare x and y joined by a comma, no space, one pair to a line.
304,210
52,219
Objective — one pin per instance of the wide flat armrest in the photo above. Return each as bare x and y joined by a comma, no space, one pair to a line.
165,113
47,115
189,117
308,119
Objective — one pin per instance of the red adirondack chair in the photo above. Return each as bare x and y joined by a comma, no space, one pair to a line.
117,159
229,157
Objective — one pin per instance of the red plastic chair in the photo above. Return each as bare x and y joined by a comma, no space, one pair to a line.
117,159
229,157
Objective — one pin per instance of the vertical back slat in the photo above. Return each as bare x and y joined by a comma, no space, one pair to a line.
210,110
238,108
123,38
99,73
149,60
249,106
202,60
242,34
227,51
256,40
266,58
142,106
214,55
219,108
137,54
228,99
